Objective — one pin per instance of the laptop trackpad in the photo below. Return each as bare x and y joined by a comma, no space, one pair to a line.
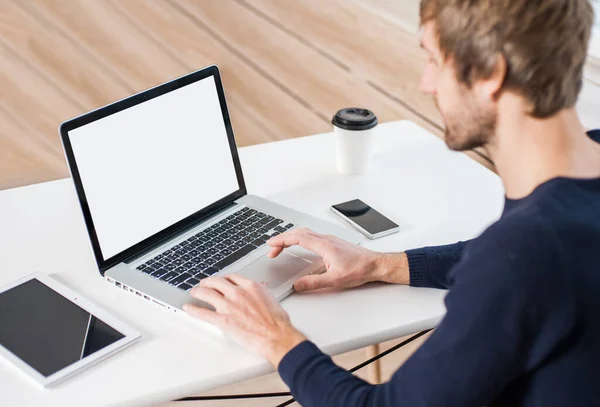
275,271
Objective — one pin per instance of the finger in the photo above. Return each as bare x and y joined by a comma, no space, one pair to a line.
280,239
301,237
276,251
210,296
205,315
250,286
314,282
240,281
219,284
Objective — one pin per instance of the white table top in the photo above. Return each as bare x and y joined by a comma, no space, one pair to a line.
437,197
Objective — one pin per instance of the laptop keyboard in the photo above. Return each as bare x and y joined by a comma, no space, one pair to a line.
214,248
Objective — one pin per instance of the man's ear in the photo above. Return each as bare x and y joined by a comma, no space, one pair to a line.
492,86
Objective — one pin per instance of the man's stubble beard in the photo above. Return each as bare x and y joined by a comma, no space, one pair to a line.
474,128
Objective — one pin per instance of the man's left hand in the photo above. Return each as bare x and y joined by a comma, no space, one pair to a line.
246,311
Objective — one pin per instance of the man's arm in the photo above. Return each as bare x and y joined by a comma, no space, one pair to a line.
499,324
348,265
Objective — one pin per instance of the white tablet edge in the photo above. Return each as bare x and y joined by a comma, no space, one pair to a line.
130,334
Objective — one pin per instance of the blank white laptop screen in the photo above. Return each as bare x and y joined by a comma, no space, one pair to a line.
151,165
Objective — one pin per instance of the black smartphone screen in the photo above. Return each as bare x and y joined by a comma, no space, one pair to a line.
365,216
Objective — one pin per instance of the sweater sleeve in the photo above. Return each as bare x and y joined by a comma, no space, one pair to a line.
430,266
505,315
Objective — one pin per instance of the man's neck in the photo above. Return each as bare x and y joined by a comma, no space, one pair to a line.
529,151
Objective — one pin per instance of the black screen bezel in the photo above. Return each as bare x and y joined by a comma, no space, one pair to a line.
157,238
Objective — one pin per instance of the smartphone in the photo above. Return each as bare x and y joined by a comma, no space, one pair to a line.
365,219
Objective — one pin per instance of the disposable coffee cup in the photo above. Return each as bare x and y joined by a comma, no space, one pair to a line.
352,128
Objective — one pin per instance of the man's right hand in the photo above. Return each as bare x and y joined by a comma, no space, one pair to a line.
347,265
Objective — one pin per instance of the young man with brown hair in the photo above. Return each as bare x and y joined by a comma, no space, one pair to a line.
522,324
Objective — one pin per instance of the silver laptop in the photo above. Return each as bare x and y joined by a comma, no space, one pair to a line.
162,192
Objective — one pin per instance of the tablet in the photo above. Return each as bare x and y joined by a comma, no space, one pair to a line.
49,332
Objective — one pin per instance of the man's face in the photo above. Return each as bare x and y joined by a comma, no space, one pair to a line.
469,116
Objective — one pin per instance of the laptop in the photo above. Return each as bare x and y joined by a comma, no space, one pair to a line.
163,197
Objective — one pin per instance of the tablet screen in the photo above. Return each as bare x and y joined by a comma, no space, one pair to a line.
46,330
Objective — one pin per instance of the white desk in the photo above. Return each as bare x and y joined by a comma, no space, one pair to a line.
436,195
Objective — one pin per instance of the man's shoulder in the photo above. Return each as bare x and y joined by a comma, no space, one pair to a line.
516,248
550,217
518,230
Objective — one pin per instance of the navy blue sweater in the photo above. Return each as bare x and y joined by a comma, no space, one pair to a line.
522,326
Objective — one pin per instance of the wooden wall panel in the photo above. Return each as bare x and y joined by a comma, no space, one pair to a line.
69,67
287,65
376,51
35,103
277,113
23,158
307,74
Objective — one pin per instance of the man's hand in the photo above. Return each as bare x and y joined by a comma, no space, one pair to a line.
347,265
246,311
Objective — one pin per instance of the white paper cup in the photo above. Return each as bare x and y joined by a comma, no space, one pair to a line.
353,129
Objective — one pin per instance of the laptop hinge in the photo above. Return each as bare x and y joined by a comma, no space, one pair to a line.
176,233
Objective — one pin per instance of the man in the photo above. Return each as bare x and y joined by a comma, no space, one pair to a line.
523,312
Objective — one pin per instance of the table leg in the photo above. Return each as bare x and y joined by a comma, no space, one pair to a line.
374,369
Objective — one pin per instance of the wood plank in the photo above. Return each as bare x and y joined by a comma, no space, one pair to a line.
253,98
383,51
278,56
385,56
249,129
304,72
23,159
102,31
66,65
97,26
31,98
403,13
376,50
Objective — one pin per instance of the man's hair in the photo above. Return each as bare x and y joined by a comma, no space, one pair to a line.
544,43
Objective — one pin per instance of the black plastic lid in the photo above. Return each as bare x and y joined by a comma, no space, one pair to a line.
354,118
